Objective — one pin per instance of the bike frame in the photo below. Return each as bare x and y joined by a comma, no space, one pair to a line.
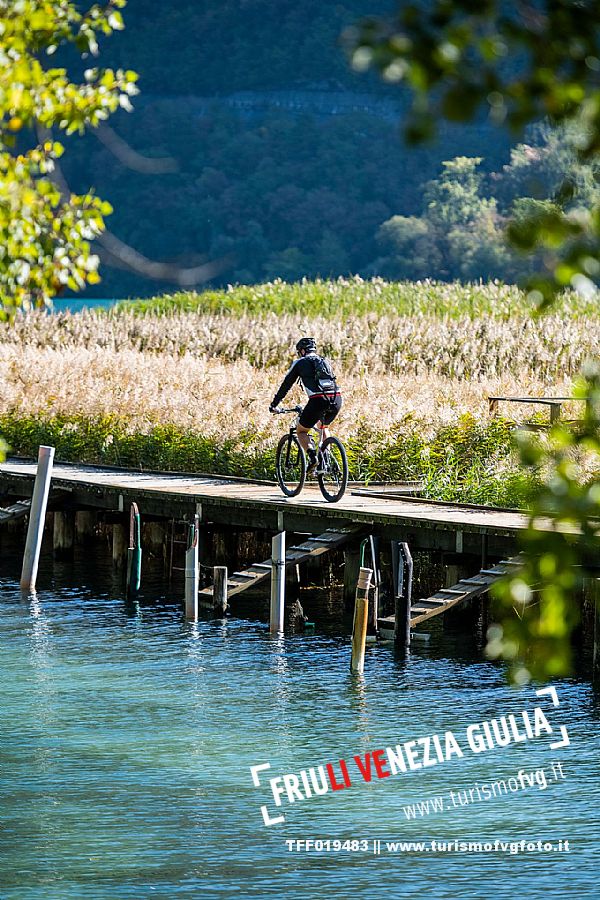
319,428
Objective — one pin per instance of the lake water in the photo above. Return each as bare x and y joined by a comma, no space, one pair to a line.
77,304
127,737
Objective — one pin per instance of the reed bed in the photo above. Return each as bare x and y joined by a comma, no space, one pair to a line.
358,296
182,412
545,350
225,397
187,387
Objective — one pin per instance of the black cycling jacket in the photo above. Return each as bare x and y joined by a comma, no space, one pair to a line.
301,370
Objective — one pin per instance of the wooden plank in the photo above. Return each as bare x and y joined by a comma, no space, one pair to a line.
16,511
446,598
21,507
427,604
423,617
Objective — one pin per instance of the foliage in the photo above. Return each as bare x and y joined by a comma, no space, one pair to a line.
458,235
286,195
217,48
453,55
386,456
316,197
45,238
560,543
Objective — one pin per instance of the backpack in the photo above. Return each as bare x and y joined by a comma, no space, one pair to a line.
324,377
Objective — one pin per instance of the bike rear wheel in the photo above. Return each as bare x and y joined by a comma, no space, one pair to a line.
290,465
332,471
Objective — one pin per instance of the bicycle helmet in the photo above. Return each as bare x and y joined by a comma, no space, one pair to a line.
306,344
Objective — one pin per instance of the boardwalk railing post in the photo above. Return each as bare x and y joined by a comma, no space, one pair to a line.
403,576
361,615
37,517
134,553
220,590
277,582
192,571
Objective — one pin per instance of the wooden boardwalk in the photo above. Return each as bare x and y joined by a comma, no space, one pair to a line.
245,503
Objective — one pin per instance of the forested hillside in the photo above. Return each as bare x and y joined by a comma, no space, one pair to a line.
286,162
205,47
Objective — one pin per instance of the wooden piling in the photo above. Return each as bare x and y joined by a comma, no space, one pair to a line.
153,539
119,545
192,571
351,570
220,590
37,518
85,525
361,615
63,533
277,583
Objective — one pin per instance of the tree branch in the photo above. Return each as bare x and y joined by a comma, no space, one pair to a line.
128,258
130,157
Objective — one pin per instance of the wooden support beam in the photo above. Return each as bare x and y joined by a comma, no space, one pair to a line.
120,540
85,525
63,533
220,591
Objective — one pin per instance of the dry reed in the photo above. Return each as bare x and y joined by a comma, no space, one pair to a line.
545,351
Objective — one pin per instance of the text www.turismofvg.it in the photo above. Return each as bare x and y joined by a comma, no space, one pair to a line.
522,780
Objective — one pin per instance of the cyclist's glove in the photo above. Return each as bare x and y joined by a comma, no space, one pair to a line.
272,408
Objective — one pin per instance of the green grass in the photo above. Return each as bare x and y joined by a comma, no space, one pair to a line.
468,461
355,296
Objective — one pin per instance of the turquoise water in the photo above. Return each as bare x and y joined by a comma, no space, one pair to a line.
76,304
127,737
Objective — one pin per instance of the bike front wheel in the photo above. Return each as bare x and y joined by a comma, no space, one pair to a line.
290,465
332,472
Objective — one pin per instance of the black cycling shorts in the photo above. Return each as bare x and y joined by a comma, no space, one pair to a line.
319,409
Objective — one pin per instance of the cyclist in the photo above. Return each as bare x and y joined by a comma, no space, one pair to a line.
324,398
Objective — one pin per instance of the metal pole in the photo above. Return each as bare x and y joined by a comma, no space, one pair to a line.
192,572
403,576
134,553
277,582
374,543
220,590
37,517
359,628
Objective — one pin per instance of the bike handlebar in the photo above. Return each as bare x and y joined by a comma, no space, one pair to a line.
293,409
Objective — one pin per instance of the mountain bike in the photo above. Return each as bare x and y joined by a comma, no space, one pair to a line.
332,464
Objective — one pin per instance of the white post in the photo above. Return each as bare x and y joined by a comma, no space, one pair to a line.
277,582
359,628
37,517
192,575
